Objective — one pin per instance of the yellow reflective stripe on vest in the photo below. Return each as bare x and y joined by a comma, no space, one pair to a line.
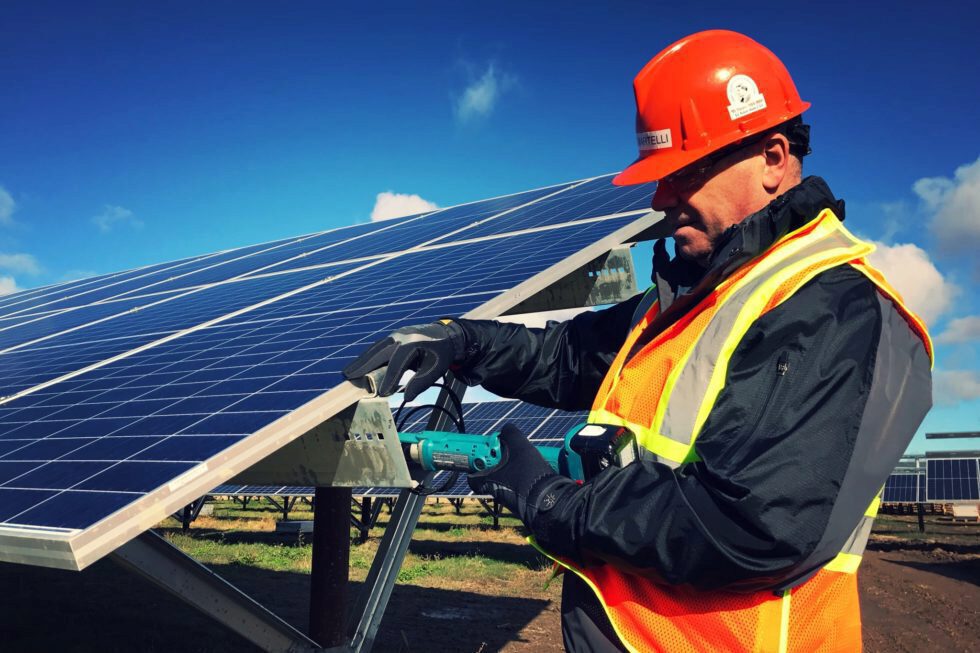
670,450
784,622
845,563
878,279
872,510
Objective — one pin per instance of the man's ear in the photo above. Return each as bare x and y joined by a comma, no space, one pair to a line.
777,161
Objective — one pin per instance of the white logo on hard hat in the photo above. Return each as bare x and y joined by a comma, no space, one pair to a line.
744,97
656,140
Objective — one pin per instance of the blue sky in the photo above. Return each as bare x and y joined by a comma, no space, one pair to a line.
132,133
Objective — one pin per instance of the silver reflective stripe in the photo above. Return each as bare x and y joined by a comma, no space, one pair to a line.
649,297
859,537
650,457
690,389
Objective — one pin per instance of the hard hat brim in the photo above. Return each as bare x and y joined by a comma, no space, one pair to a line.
652,168
658,165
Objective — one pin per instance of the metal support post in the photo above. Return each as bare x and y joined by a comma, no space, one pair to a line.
371,603
276,505
190,513
153,557
493,509
331,565
366,521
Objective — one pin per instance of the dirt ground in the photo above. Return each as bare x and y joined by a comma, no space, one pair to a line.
912,601
916,596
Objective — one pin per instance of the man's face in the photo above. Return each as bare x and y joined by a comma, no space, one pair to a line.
700,207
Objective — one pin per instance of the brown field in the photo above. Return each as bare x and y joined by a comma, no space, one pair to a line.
464,587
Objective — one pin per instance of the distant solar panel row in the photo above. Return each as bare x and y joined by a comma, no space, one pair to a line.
954,479
905,488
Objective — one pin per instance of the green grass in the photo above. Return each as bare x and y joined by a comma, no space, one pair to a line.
467,566
273,557
447,549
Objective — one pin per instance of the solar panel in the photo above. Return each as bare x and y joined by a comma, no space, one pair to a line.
952,479
115,414
904,488
37,300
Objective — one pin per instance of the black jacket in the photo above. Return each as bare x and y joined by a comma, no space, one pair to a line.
822,397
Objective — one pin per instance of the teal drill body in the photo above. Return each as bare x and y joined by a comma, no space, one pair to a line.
466,452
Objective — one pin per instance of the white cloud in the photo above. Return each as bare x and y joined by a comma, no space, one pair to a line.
908,269
7,207
394,205
956,206
961,330
479,99
21,263
7,285
113,216
949,387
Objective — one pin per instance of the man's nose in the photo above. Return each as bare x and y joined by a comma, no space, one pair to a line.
664,197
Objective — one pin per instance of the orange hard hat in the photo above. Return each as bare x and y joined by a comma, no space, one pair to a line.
704,92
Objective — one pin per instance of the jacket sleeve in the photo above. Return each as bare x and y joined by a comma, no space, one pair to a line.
559,366
793,424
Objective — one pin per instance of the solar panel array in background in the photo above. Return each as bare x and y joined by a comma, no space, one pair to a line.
952,479
905,488
96,440
545,427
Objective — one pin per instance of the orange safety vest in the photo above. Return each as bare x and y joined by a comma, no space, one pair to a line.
663,392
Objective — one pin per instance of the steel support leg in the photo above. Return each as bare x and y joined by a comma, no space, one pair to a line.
366,522
152,557
331,565
370,606
493,508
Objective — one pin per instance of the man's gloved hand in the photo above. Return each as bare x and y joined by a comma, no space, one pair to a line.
519,478
429,349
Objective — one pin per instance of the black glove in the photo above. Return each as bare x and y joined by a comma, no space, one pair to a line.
519,479
429,349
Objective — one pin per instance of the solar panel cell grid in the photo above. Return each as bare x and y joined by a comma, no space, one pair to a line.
228,415
269,259
952,479
591,199
168,278
36,300
122,330
404,233
165,394
903,488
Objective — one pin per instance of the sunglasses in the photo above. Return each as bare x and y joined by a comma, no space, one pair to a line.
695,174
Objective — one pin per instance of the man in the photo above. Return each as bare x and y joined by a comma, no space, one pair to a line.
771,378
